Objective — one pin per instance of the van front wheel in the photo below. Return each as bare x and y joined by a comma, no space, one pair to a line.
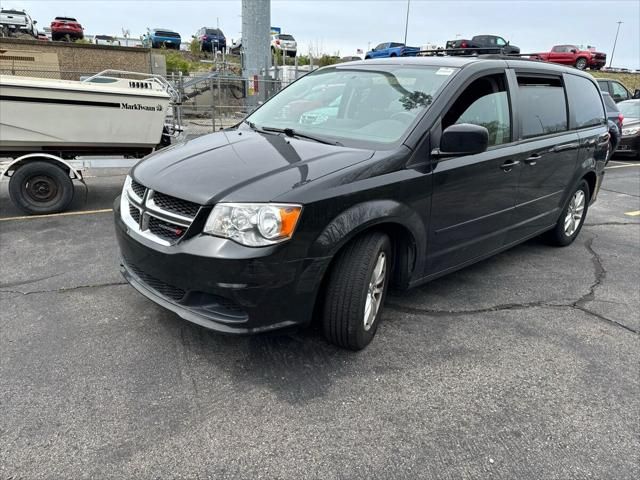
356,290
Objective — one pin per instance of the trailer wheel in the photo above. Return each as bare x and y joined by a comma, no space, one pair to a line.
40,187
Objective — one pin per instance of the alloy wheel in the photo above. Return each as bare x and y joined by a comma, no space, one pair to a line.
375,291
574,213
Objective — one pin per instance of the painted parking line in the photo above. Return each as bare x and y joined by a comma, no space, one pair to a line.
635,213
626,165
64,214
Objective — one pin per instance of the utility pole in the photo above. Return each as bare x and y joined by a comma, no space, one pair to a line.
406,23
614,43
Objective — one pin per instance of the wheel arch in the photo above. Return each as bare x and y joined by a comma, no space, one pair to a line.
73,173
591,178
403,225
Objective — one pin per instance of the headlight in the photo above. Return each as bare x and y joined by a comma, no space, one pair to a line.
630,131
253,224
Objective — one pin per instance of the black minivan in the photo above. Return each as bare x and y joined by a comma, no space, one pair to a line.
360,177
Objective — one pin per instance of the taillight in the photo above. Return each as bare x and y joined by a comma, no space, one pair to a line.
203,38
620,119
463,44
277,42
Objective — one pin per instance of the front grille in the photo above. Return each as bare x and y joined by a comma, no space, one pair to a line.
164,289
168,231
158,216
175,205
135,213
137,188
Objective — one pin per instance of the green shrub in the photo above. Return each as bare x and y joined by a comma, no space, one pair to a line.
176,62
194,47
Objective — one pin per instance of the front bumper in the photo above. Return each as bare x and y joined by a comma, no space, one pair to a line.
219,284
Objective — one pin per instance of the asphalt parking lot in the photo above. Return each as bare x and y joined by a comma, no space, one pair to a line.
523,366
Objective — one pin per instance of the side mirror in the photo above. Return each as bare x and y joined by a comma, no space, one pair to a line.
636,94
463,139
573,50
35,21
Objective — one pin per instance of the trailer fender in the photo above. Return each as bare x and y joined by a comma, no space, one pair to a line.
74,173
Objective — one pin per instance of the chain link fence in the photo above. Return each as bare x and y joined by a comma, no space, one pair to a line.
210,101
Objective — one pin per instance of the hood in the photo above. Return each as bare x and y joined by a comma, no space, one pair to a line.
218,166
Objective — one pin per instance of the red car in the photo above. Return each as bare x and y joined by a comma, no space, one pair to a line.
574,56
66,28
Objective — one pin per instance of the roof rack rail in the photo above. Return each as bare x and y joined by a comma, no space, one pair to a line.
473,52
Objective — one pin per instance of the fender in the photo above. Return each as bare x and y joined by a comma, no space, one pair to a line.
364,215
73,172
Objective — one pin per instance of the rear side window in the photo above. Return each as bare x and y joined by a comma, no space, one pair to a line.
585,102
543,106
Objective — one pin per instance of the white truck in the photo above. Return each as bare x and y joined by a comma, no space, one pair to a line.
17,22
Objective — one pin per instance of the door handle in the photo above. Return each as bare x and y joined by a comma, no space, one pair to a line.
533,159
509,164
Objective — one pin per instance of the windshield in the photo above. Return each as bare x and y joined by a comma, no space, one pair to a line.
285,37
630,109
373,104
213,31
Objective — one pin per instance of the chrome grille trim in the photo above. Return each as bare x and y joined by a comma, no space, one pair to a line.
130,201
162,214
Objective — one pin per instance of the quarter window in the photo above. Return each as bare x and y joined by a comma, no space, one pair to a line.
486,103
543,106
585,102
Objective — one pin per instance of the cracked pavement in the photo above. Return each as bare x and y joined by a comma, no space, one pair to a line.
525,365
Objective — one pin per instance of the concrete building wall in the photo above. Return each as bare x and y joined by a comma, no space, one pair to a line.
74,60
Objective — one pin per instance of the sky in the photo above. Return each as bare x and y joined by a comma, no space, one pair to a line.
342,26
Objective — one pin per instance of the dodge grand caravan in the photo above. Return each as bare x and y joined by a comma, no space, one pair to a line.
429,165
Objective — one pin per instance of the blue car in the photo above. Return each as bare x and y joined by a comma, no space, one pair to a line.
161,37
392,49
210,39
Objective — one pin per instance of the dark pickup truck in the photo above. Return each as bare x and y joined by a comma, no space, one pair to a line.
481,45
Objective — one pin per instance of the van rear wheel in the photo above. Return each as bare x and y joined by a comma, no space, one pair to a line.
356,290
572,217
40,188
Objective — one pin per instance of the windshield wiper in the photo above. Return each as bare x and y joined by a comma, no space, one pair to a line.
290,132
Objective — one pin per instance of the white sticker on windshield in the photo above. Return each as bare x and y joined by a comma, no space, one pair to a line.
445,71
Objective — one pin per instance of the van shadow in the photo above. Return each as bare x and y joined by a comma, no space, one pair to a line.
300,365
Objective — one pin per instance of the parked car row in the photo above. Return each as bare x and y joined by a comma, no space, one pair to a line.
571,55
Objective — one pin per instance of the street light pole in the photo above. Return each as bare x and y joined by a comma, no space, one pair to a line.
614,44
406,23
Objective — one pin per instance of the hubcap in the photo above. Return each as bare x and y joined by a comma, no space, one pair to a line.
41,188
375,290
574,213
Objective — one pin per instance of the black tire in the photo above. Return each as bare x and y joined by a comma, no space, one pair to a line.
558,236
581,63
348,287
40,187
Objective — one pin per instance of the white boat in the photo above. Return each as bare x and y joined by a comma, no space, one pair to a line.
102,114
